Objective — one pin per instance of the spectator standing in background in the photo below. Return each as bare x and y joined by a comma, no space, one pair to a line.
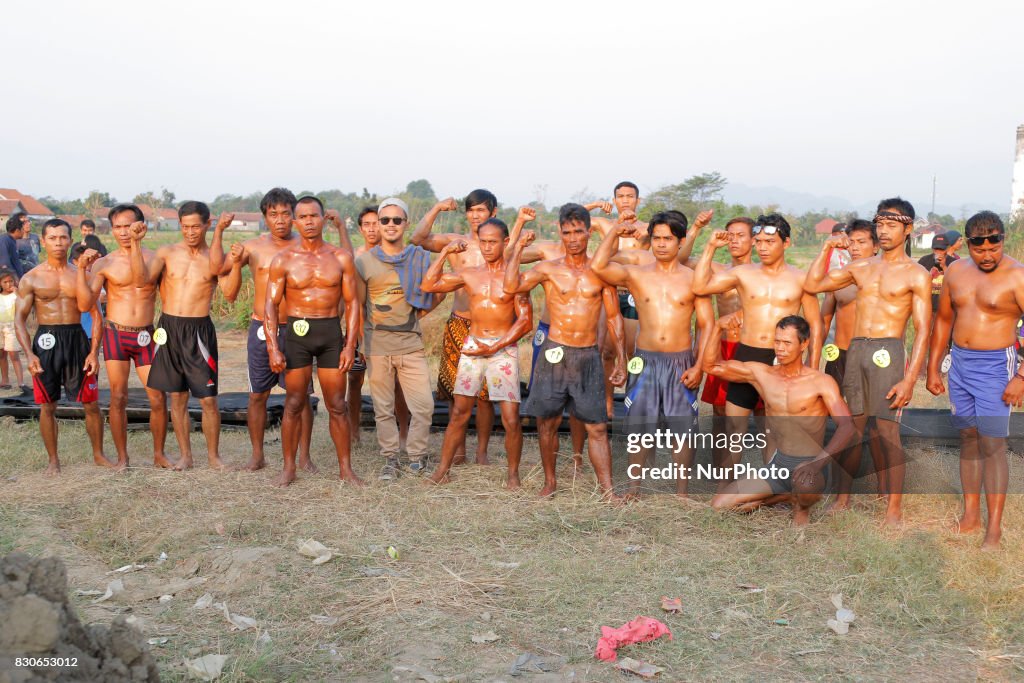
28,246
9,245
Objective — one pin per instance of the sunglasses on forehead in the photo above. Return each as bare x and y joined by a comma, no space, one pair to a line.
388,220
766,229
979,240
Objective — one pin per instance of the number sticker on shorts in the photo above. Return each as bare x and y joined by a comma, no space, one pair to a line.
539,337
831,352
144,338
881,358
947,363
300,327
554,355
261,334
160,336
635,365
46,341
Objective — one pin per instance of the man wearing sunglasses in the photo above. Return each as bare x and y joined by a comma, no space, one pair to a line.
768,291
891,288
981,301
389,285
481,205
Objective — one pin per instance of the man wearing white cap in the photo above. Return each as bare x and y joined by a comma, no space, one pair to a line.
389,287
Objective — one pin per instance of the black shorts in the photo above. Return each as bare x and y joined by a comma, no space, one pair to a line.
740,393
186,356
782,461
323,341
627,305
836,369
62,350
568,376
873,366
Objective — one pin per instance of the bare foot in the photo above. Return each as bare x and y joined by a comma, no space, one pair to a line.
286,477
893,518
548,490
53,469
255,464
966,524
306,465
992,541
102,461
217,464
482,459
838,505
349,477
459,460
801,516
183,464
438,478
613,498
513,483
161,460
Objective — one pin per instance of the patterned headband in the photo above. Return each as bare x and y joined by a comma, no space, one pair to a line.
892,216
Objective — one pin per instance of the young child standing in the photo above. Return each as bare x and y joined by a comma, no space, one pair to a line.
8,297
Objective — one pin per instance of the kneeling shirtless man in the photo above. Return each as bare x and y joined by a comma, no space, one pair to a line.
797,399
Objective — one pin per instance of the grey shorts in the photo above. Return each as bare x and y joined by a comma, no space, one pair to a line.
654,393
791,462
873,366
567,377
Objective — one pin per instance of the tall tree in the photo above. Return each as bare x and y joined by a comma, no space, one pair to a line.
421,189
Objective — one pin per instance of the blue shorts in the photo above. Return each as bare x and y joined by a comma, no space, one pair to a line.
261,377
654,394
538,339
977,380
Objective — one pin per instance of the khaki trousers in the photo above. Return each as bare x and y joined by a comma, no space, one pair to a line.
411,370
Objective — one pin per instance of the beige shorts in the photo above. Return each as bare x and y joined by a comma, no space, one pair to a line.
10,341
500,372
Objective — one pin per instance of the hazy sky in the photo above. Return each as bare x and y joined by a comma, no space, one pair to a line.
854,99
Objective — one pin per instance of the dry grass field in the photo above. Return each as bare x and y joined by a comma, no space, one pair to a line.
542,576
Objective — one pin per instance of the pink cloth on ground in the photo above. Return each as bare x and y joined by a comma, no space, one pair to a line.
640,630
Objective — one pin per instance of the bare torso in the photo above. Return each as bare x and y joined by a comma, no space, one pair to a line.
766,297
795,410
665,304
127,303
986,306
885,295
313,281
846,315
492,311
470,258
574,298
186,284
54,296
259,252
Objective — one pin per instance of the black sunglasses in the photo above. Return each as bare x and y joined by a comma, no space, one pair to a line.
979,240
387,220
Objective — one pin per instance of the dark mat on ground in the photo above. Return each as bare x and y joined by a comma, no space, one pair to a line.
918,424
233,407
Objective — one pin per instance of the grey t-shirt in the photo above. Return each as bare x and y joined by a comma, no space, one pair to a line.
392,326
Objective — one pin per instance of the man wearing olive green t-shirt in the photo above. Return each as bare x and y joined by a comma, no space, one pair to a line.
389,287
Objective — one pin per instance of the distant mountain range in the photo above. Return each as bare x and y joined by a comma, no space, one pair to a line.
801,202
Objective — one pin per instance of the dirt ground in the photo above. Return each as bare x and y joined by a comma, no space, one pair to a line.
526,577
